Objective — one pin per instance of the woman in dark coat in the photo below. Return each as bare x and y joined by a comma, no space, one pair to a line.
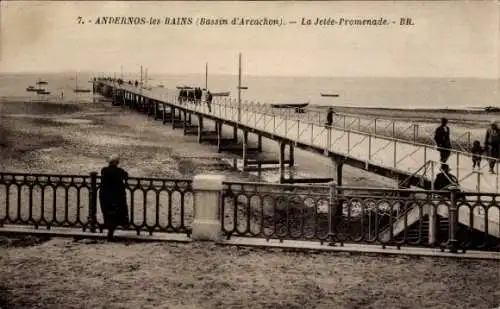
112,196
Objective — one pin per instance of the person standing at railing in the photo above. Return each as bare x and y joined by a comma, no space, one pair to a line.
442,139
445,178
329,117
492,144
112,196
209,101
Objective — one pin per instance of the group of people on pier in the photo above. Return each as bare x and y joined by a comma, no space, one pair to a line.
196,96
491,147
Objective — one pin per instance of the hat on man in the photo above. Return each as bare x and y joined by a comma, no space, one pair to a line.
113,158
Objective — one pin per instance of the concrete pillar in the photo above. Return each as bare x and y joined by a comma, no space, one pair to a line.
200,128
218,129
291,155
282,162
206,223
259,143
245,149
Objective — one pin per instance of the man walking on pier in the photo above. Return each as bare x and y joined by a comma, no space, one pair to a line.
442,139
492,144
112,196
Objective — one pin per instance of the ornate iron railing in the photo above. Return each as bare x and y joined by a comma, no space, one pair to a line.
44,200
361,215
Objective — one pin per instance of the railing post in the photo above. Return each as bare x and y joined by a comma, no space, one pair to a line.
453,221
92,219
333,218
207,201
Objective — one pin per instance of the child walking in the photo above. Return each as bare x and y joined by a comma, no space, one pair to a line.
476,151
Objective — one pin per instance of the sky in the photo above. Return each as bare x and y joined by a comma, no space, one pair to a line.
449,38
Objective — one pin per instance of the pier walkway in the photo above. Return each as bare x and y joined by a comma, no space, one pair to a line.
415,164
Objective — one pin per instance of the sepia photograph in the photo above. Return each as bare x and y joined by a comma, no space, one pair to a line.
250,154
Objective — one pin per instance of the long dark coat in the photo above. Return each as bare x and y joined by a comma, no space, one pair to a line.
442,137
113,197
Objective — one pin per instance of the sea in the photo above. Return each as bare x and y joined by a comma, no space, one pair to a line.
378,92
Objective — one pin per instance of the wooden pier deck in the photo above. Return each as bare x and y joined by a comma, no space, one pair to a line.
390,157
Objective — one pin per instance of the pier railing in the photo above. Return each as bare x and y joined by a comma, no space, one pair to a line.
45,201
323,213
421,132
361,215
373,149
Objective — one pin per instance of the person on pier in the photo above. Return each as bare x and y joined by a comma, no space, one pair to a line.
112,196
492,144
329,117
209,101
445,179
442,139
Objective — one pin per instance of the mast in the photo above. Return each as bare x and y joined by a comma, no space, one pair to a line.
146,78
239,87
206,75
76,80
141,76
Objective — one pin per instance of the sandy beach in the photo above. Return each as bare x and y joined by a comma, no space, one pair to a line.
61,273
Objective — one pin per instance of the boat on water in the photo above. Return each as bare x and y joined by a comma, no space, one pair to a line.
183,87
492,109
77,89
221,94
289,105
32,89
331,95
42,91
161,86
42,82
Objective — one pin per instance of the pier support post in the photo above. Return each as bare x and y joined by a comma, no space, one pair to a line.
164,113
338,167
235,134
259,143
184,122
200,129
282,162
218,129
245,149
172,116
206,224
291,155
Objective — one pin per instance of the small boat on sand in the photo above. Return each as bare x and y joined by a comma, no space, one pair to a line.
221,94
492,109
32,89
42,91
42,82
289,105
331,95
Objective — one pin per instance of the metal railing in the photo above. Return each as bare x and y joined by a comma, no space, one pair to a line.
44,200
388,152
361,215
324,213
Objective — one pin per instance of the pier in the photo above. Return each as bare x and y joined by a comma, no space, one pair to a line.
411,163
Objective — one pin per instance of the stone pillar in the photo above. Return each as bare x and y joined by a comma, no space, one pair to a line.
207,199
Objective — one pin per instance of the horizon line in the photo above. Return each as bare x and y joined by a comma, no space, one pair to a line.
249,75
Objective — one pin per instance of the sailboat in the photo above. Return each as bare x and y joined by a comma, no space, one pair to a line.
79,90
